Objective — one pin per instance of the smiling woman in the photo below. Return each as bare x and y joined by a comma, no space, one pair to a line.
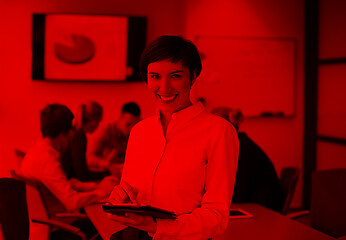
182,160
171,84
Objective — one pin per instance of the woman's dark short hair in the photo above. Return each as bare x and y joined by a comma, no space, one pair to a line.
173,48
55,119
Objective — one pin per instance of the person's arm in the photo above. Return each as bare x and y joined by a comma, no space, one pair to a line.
54,178
96,148
80,186
100,191
212,217
116,169
87,198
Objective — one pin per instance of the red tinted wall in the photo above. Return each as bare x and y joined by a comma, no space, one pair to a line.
280,138
21,98
332,85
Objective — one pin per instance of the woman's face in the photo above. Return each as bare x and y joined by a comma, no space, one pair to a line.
171,84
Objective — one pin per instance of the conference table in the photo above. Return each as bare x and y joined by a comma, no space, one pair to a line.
265,224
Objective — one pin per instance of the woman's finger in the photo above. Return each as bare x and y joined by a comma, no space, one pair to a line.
115,198
130,192
118,195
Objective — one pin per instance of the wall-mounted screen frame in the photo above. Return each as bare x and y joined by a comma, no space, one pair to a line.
86,47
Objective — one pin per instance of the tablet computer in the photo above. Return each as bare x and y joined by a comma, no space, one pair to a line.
239,213
145,210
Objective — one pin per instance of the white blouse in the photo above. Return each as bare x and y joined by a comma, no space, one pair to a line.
191,171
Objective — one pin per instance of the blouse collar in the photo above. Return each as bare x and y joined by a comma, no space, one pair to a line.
184,115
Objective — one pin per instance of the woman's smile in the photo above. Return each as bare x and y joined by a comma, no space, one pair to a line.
167,98
170,83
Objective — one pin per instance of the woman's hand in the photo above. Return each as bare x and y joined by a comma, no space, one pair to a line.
144,223
123,193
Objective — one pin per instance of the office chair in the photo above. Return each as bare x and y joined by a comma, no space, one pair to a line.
61,219
328,202
55,222
45,195
288,179
14,219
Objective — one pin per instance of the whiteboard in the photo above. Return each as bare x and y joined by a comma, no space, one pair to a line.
256,75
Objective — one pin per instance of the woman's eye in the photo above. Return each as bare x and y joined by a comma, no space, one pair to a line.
176,76
154,76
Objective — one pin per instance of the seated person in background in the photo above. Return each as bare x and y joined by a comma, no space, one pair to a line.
256,179
42,163
74,163
107,147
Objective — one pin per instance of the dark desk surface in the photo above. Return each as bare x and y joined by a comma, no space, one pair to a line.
265,225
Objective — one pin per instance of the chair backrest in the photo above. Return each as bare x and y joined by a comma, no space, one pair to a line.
36,207
51,204
46,197
27,181
288,178
14,219
328,201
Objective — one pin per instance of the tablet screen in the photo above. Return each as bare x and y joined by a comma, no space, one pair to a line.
121,209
